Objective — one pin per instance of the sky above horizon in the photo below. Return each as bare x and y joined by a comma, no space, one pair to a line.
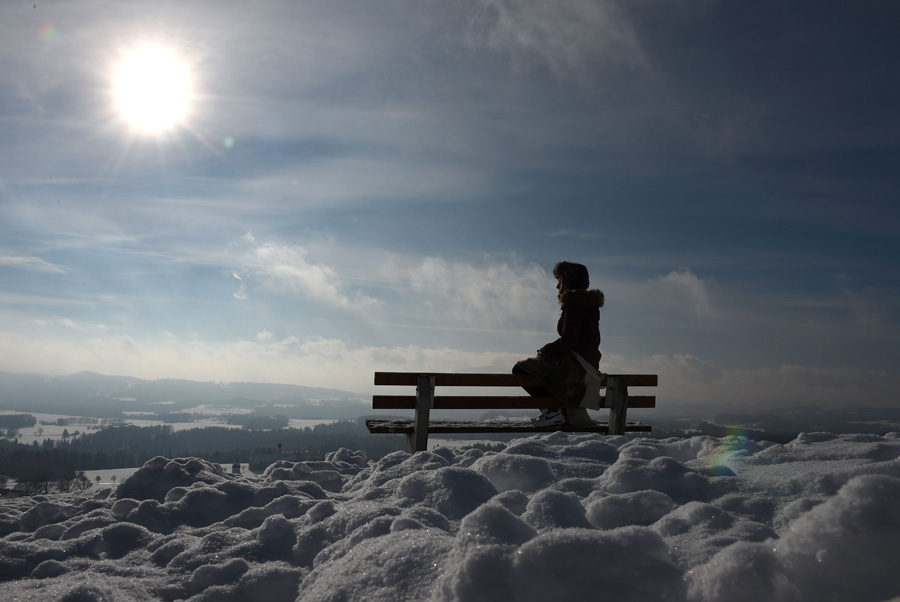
361,186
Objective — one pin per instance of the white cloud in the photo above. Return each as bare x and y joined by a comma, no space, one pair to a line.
684,289
70,323
572,37
242,291
30,264
286,268
496,295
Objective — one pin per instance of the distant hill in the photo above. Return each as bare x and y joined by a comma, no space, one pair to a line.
91,394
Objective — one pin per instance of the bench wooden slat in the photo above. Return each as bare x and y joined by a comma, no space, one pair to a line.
492,402
449,426
444,379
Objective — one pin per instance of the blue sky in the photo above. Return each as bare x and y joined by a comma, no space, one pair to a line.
361,186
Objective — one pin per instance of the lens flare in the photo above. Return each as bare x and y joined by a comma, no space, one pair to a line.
730,446
49,33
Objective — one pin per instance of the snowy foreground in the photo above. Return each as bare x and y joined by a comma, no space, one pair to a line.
551,518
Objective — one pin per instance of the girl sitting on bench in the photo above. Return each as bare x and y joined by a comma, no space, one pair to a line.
562,365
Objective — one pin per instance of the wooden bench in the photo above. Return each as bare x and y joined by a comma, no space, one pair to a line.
416,430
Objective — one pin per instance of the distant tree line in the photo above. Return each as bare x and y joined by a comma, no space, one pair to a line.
85,420
40,463
43,483
129,446
17,421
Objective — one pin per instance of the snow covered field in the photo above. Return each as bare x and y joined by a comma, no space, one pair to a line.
553,517
48,428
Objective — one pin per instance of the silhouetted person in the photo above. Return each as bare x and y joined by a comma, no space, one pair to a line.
562,366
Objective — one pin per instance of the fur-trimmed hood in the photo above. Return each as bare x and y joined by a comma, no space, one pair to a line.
591,298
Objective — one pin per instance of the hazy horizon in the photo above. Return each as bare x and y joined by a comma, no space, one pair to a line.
89,394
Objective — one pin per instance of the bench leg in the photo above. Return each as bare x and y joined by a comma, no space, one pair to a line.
617,400
424,403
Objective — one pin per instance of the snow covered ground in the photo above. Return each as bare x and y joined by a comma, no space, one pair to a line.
552,518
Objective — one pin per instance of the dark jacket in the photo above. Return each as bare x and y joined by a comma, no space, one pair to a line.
578,326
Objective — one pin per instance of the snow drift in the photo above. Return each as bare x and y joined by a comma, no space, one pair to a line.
552,517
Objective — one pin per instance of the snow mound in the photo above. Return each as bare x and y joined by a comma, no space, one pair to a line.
552,517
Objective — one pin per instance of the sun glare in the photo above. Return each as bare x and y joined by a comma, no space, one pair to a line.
152,90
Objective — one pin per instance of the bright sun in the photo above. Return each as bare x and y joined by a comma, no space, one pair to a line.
153,90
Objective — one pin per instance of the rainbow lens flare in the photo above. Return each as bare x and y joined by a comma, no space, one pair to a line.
49,32
724,459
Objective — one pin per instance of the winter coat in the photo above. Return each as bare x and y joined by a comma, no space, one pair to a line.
578,326
557,368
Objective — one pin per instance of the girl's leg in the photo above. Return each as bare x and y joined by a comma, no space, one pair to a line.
533,391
